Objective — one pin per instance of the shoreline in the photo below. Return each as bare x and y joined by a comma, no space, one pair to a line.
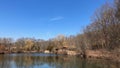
89,55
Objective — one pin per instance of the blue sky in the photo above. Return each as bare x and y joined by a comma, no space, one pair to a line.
45,19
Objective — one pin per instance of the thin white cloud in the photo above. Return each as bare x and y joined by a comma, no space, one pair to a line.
57,18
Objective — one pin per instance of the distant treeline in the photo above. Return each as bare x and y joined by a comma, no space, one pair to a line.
102,33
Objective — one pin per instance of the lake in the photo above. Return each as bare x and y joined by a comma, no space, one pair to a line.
41,60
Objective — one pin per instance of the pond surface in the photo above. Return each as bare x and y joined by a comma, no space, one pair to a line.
51,61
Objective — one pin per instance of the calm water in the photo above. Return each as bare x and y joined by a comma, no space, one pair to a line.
51,61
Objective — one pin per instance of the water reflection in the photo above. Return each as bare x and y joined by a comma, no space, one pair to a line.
51,61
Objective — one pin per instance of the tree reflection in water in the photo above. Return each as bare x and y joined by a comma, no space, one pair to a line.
51,61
